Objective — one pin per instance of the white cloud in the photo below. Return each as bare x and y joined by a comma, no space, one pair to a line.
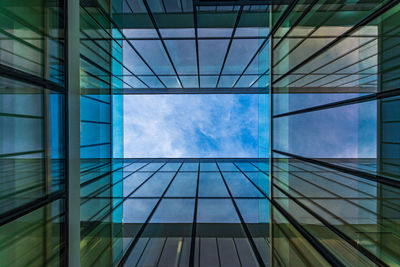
190,126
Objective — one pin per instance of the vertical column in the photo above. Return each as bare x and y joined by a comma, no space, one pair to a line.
388,123
73,131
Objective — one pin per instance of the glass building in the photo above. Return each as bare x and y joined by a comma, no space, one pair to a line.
323,191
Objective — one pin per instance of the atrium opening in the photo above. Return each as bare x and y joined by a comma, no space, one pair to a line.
199,133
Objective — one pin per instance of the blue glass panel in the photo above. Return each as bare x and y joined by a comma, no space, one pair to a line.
216,211
184,185
173,6
99,111
133,181
155,186
208,81
152,167
170,81
240,54
215,32
240,186
208,167
93,133
260,179
227,81
153,52
183,54
190,167
211,59
254,210
245,166
212,185
133,62
177,33
134,166
172,166
263,166
246,80
227,166
262,82
156,6
174,211
140,33
152,81
260,64
251,32
138,210
190,81
133,81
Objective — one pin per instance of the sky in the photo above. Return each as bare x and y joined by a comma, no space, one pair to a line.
190,126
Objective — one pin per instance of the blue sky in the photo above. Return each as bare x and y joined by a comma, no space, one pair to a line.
191,126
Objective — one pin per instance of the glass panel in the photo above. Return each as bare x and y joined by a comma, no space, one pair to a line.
216,211
154,54
155,186
212,185
240,186
174,211
184,185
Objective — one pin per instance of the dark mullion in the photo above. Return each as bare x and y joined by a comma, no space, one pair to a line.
310,238
230,43
194,225
88,230
25,77
304,38
101,26
243,223
197,42
161,39
163,5
29,207
361,174
329,257
361,99
130,44
101,190
343,84
177,91
338,73
129,6
96,99
336,196
180,1
361,23
208,38
271,33
330,62
143,227
97,144
110,55
339,233
97,65
256,80
110,74
300,18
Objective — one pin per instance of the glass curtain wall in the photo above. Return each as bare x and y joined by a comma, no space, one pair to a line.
101,130
335,143
32,133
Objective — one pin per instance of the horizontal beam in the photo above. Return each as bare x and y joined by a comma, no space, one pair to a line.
161,91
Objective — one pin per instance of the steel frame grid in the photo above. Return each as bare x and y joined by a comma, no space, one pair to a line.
162,39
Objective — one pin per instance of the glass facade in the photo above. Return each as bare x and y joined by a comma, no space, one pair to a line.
335,150
32,134
324,191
